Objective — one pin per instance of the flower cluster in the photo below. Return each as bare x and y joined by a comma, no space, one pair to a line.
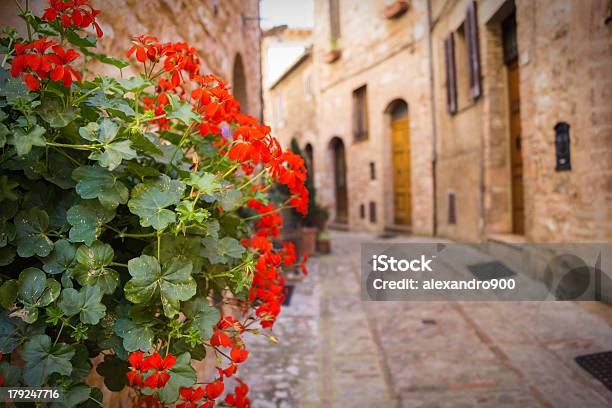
172,166
140,365
77,13
44,59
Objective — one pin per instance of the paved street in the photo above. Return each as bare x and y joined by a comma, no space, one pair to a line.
337,351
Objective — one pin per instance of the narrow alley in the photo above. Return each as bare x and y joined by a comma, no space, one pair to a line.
338,351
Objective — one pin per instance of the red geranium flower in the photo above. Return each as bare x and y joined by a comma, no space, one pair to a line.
214,389
239,355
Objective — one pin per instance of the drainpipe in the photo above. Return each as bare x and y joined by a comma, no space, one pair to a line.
434,153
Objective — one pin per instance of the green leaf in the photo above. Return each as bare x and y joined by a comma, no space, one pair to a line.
229,198
144,143
181,110
114,154
7,255
220,250
6,189
117,106
87,303
150,199
93,309
14,331
51,293
60,259
105,59
4,132
182,375
173,282
91,268
104,132
53,112
8,232
32,285
114,371
135,336
134,84
142,171
98,182
86,219
59,171
10,373
70,302
8,293
75,396
206,183
31,229
89,41
15,91
43,359
81,366
23,141
203,316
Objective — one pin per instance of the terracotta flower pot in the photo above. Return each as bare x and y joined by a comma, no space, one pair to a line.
396,9
331,56
308,242
323,246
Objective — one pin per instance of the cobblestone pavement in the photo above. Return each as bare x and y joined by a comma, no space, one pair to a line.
337,351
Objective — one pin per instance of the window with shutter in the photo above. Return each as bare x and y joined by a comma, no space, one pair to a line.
451,74
471,28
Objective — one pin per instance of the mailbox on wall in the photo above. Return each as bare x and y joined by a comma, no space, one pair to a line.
562,147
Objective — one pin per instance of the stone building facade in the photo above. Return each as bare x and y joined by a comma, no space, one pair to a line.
372,68
225,32
492,116
543,65
290,99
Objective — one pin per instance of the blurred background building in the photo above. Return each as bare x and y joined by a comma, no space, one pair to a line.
225,32
473,120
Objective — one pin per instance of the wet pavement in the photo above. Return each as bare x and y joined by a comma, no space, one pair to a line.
338,351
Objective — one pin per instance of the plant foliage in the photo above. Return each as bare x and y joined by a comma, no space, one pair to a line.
133,210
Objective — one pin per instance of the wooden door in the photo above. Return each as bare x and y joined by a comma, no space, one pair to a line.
402,194
516,156
340,183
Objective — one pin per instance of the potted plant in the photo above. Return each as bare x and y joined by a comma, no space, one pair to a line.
307,243
333,54
395,9
321,215
130,227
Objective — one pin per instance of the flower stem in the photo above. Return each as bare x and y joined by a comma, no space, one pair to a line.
59,333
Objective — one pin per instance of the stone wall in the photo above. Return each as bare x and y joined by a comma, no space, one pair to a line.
565,51
220,30
296,87
390,57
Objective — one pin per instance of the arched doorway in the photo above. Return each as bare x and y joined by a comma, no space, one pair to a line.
400,158
339,166
240,85
309,157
